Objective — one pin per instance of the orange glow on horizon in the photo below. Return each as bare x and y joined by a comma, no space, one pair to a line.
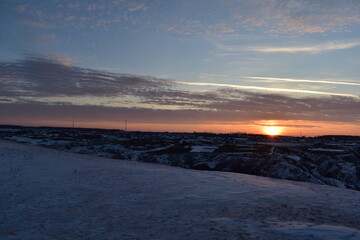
272,130
268,127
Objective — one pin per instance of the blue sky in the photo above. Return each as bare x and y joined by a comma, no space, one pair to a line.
302,53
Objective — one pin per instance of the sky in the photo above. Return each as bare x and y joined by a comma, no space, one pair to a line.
182,66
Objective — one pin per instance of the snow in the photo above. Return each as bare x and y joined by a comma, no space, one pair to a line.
272,150
26,139
280,144
312,231
49,194
205,149
327,150
294,157
8,130
158,149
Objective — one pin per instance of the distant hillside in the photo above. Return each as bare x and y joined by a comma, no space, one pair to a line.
323,160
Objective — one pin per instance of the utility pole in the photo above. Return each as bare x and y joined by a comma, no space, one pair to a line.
73,124
125,125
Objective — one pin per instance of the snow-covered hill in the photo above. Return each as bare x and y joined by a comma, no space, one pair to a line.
49,194
329,160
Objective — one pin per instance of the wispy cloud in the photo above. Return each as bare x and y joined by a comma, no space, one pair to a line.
234,50
21,8
309,17
138,7
267,89
276,17
227,18
70,18
38,24
102,15
304,80
221,28
328,46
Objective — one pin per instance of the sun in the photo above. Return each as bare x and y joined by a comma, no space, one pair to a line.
272,130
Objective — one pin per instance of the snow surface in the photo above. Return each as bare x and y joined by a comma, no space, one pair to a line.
326,150
204,149
49,194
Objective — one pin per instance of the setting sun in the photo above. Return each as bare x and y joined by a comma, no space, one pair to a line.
272,130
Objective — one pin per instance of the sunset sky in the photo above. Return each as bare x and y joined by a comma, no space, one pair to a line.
182,65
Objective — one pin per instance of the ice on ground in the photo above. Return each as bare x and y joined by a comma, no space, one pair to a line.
49,194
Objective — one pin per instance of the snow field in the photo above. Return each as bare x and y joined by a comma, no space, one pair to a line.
49,194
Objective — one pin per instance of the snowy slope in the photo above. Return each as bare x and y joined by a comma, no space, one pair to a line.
48,194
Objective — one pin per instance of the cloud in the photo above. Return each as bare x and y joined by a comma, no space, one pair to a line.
38,24
102,15
251,22
283,124
93,6
21,8
70,18
233,50
5,100
26,81
221,28
198,17
44,38
325,47
187,27
300,25
272,79
37,76
309,17
272,106
284,90
275,17
74,5
138,7
245,107
48,37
